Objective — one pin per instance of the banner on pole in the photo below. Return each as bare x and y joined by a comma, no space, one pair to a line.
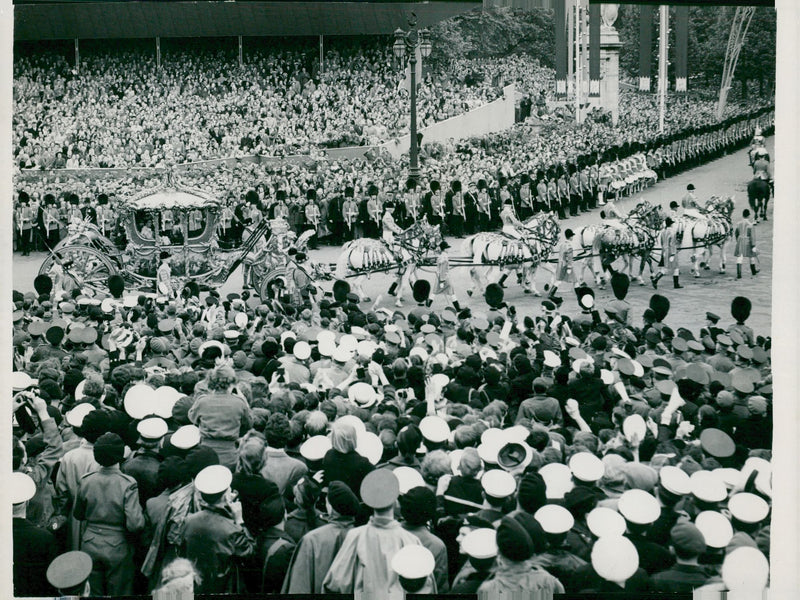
645,46
594,50
560,7
681,47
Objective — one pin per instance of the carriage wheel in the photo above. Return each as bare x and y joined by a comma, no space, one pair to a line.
90,268
271,281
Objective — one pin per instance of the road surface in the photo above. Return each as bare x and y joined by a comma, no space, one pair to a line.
711,292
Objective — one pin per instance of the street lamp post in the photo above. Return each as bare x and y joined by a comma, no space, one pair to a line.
405,48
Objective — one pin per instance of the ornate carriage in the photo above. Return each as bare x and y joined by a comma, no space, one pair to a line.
190,225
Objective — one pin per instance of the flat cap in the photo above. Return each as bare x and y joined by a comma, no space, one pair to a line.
69,570
614,558
638,506
414,561
214,479
380,489
603,521
498,484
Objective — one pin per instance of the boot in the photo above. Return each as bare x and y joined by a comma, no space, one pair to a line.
393,289
553,292
738,271
654,280
675,283
456,306
502,281
753,269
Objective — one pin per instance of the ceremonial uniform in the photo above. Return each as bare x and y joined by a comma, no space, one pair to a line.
313,221
374,209
457,212
526,209
484,208
745,235
350,215
413,206
390,228
24,221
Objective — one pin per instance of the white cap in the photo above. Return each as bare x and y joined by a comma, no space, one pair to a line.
708,487
408,478
363,394
413,561
370,447
326,336
715,527
603,521
480,543
558,479
586,466
287,334
153,428
615,558
327,348
22,381
79,395
78,413
186,437
342,354
23,488
493,434
353,420
419,351
748,508
315,447
554,518
166,398
639,507
213,480
551,359
366,348
675,480
488,450
301,350
516,433
634,425
241,320
140,401
746,569
498,484
348,342
434,429
607,376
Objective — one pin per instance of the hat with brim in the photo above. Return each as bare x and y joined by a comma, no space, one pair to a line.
434,429
675,480
554,519
315,448
514,455
185,437
558,480
380,489
498,484
22,381
748,508
69,570
603,522
708,487
214,479
615,558
745,572
480,543
639,507
370,447
551,359
140,401
585,466
413,561
717,443
23,488
408,479
715,527
362,394
152,428
76,415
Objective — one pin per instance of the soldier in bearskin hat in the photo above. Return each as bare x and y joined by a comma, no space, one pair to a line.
619,308
740,311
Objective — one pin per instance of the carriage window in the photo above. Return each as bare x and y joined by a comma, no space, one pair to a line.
196,222
144,225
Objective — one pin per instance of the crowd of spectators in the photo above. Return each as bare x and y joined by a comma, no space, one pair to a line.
328,446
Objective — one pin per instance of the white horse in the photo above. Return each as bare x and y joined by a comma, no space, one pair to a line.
361,258
702,230
523,255
625,237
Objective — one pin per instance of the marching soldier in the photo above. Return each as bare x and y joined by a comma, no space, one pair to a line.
484,205
526,209
745,235
458,214
24,222
350,213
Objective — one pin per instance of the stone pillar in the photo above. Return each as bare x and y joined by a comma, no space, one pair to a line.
609,71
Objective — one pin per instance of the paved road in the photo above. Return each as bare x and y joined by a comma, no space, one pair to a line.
712,291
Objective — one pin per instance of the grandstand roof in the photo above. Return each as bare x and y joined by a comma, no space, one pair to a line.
111,20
